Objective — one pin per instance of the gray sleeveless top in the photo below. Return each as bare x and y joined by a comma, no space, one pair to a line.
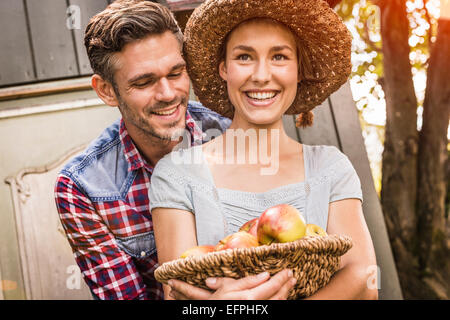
182,180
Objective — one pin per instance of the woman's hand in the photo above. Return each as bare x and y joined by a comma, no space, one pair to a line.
255,287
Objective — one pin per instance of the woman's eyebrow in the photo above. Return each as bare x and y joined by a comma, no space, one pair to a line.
275,48
244,48
281,48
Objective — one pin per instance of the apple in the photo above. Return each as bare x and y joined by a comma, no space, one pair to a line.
314,230
280,223
240,239
197,251
250,227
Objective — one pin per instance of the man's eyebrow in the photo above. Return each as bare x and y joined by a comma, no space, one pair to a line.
151,75
178,66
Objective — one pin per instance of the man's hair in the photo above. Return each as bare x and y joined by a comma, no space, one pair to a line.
122,22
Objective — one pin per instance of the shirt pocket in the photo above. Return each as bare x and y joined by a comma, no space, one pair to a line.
139,246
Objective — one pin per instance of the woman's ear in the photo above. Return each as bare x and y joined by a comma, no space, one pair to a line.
104,90
223,70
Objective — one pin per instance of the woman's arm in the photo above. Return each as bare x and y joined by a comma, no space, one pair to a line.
351,281
174,233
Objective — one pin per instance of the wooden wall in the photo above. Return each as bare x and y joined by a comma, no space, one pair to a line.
43,39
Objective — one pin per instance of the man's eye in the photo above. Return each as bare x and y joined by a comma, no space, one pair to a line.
142,84
175,75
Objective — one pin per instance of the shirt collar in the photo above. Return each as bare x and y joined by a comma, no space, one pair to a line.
134,158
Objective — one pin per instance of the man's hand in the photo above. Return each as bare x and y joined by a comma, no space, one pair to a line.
257,287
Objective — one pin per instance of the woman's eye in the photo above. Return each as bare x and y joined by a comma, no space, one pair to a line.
243,57
279,57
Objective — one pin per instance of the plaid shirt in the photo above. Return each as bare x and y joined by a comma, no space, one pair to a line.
94,227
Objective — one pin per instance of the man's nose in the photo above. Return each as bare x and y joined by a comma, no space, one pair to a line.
165,90
262,72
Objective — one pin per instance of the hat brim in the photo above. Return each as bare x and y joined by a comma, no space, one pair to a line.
322,34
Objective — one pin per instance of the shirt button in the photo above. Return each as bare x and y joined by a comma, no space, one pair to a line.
142,253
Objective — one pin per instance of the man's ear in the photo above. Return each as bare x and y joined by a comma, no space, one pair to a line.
223,70
104,90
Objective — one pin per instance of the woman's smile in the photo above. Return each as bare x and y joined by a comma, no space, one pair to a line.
261,98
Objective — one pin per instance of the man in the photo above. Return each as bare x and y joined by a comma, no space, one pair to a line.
135,51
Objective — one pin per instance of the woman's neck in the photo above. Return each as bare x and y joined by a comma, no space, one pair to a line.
251,144
262,133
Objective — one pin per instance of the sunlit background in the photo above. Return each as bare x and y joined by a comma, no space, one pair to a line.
362,19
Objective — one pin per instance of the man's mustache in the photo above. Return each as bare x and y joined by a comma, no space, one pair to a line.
161,105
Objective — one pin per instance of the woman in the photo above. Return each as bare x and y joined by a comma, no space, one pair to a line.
255,61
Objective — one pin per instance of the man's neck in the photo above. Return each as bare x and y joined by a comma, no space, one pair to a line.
151,148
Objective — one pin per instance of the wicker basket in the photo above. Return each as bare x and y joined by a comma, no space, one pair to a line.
312,259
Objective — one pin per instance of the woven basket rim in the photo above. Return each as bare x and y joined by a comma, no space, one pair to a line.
333,245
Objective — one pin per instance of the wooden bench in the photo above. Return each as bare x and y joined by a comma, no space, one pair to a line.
48,266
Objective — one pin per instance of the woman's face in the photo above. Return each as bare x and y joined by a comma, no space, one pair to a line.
261,71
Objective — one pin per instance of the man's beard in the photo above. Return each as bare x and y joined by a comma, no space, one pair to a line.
142,123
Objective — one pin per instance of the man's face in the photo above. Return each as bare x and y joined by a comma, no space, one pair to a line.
152,86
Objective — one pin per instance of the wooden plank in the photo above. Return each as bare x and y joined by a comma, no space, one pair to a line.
181,5
2,297
45,88
52,40
16,63
323,131
84,10
349,132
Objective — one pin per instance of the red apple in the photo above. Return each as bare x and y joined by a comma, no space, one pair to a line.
314,230
281,223
250,227
240,239
197,251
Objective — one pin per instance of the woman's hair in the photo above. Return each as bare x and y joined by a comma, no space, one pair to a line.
122,22
304,64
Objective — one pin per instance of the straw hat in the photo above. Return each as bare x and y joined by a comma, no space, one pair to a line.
324,40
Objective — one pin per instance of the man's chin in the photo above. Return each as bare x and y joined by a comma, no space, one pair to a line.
169,135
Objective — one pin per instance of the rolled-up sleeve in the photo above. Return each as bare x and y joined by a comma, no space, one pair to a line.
345,183
168,188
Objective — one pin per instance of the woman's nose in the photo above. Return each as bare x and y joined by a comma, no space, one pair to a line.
165,91
262,72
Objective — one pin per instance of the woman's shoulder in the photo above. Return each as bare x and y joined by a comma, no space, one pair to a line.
322,157
324,153
185,163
